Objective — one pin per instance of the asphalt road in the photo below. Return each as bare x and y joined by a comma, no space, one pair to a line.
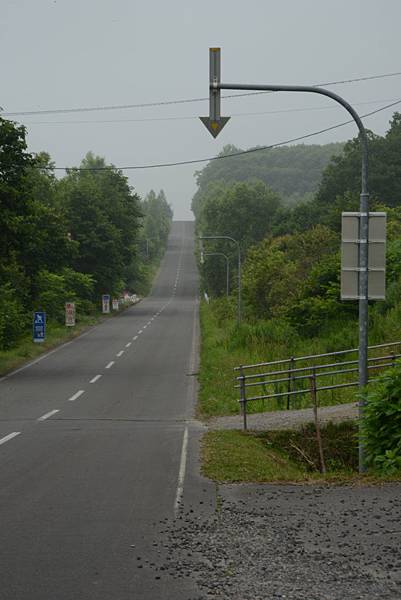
97,447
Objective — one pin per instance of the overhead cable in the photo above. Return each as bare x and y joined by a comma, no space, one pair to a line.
182,101
224,156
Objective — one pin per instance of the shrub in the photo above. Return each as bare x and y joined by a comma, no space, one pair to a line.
382,424
13,318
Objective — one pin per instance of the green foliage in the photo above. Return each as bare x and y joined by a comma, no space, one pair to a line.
382,424
13,317
66,240
293,172
243,211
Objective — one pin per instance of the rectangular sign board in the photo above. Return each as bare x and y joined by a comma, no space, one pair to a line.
350,241
115,304
106,303
70,314
39,326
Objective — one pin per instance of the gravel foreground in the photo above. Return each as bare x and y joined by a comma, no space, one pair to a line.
288,541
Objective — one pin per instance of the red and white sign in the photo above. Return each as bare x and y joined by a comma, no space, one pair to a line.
70,314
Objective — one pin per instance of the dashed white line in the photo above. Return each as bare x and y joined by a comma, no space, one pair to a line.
120,353
76,395
128,345
96,377
141,331
8,437
49,414
181,473
135,338
111,363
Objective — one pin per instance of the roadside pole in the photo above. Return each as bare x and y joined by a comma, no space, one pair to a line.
215,124
227,237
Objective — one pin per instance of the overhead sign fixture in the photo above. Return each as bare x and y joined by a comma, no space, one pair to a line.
214,123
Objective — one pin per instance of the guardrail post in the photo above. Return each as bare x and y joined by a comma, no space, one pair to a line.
243,396
290,380
393,358
317,424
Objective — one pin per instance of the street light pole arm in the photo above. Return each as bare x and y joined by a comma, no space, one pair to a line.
314,90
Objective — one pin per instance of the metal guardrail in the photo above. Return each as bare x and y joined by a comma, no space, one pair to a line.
292,378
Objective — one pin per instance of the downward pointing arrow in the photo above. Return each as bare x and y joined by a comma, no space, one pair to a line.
214,126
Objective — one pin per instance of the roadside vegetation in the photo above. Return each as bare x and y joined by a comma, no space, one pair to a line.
291,273
68,239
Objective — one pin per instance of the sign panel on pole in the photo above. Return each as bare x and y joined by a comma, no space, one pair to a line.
115,304
70,314
106,303
350,241
39,326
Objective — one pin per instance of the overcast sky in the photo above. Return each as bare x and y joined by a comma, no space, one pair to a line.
83,53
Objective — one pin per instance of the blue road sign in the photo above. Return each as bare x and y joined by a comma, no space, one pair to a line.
39,326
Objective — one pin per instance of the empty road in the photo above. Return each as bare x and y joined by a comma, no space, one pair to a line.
98,445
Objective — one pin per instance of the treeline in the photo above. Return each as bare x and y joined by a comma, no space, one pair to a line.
294,172
69,239
291,254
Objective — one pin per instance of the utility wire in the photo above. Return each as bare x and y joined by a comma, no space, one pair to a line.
182,101
193,117
224,156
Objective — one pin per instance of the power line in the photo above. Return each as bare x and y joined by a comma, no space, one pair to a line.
181,101
240,153
193,117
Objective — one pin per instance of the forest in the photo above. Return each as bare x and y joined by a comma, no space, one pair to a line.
72,238
291,253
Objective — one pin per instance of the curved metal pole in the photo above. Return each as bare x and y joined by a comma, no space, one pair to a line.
363,227
227,237
227,268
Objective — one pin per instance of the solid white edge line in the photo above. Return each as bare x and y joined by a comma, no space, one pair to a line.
120,353
8,437
111,363
43,356
49,414
95,378
181,473
76,395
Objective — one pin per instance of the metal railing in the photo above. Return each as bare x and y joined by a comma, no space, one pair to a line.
285,379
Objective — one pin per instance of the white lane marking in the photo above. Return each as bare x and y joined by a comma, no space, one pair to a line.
49,414
135,338
181,473
96,377
8,437
76,396
111,363
144,326
38,360
140,331
128,345
120,353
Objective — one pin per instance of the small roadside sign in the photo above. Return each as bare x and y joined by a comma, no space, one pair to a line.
106,303
39,326
70,314
115,304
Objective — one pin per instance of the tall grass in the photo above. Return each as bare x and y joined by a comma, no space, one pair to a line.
225,345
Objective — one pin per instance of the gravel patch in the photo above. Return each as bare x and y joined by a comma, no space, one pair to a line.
285,541
289,419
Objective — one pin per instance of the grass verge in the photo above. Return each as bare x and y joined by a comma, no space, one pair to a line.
27,350
284,456
224,346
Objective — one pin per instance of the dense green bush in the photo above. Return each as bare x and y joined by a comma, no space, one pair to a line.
13,317
382,424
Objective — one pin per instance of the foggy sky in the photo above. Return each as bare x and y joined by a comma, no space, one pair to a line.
82,53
